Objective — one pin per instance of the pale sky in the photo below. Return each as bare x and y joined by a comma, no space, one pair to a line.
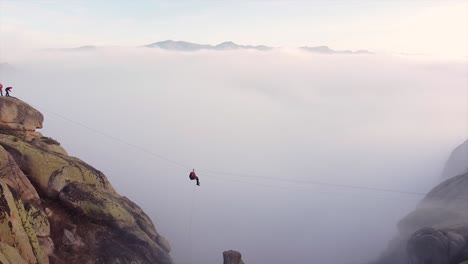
415,26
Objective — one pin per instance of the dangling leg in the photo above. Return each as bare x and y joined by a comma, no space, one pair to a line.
198,181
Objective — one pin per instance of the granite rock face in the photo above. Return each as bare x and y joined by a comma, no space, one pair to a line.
17,115
432,246
436,230
55,208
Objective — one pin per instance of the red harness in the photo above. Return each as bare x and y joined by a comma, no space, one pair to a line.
192,175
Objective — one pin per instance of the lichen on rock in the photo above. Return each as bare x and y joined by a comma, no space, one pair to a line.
55,208
51,171
15,230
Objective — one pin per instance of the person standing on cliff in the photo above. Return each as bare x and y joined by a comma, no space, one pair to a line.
193,176
1,89
7,90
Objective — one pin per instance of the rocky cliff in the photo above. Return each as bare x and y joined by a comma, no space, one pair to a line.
457,163
436,232
55,208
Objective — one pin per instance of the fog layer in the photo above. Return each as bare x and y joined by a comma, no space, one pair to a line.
373,121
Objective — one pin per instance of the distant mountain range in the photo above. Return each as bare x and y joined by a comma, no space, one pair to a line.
327,50
81,48
228,45
188,46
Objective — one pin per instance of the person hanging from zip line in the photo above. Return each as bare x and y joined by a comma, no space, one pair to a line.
1,89
194,176
7,90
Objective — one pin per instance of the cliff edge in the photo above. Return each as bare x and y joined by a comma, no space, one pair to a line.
457,163
436,232
55,208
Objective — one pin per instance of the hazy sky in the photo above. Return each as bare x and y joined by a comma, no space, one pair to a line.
417,26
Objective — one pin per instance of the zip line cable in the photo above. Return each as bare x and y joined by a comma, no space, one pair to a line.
315,183
214,172
118,139
304,190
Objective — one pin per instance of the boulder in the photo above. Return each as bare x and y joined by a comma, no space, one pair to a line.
433,246
17,115
232,257
428,246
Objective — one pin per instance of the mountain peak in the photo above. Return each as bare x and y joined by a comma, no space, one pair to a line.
177,45
328,50
228,45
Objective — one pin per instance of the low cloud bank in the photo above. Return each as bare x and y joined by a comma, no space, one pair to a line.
365,120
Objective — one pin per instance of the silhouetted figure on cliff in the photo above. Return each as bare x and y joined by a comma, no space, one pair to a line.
7,90
193,176
1,89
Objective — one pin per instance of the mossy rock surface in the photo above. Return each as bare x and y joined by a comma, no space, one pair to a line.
142,220
15,229
52,171
58,209
124,216
38,220
100,206
48,144
12,175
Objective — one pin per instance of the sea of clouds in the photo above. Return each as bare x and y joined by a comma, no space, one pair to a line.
145,117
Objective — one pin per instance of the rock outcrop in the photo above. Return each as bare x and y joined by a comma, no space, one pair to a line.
432,246
457,164
232,257
19,116
437,230
58,209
